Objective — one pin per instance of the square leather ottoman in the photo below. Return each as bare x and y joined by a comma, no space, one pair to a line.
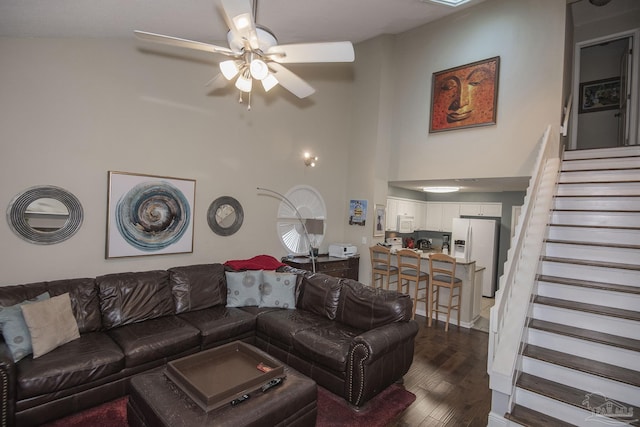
155,400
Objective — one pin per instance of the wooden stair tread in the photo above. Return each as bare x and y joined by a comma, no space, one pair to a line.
592,263
586,334
577,363
569,395
614,287
599,245
600,227
589,308
530,418
600,211
616,181
620,156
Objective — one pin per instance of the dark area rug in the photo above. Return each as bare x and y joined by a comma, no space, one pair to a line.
333,411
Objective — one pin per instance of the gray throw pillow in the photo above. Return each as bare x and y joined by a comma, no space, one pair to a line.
278,290
243,288
15,330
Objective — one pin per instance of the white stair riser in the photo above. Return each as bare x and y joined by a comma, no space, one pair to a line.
599,189
617,276
610,219
595,235
602,153
591,383
556,409
592,252
621,300
585,349
601,175
609,325
625,203
591,164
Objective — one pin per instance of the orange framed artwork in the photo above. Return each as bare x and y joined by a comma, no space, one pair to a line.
465,96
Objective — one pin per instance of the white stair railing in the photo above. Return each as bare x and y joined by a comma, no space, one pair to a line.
510,311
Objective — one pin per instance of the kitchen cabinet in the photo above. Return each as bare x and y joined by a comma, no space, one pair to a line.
440,215
481,209
347,268
392,215
407,208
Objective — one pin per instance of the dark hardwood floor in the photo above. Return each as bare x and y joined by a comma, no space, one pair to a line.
449,378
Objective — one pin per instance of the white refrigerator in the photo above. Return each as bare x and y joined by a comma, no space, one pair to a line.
477,240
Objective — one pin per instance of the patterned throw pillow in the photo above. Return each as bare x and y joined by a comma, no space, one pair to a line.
278,290
15,330
243,288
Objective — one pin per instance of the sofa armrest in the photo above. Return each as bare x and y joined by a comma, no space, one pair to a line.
378,358
7,385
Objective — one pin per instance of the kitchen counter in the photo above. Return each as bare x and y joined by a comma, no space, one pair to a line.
471,289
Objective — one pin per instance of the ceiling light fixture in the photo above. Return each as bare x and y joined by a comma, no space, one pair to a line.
452,3
310,159
441,189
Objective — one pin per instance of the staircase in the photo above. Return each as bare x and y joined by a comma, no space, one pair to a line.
580,361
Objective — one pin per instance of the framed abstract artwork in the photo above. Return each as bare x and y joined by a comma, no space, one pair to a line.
599,95
357,212
149,215
465,96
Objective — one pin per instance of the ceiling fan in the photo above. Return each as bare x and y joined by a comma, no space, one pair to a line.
254,52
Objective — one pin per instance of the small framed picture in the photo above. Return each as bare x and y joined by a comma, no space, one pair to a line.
600,95
380,221
149,215
357,212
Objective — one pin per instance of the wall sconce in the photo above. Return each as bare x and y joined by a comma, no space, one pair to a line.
310,159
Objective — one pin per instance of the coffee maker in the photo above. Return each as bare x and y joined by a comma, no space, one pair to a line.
445,244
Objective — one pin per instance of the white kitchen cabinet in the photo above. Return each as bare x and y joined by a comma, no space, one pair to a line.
407,207
420,222
392,215
481,209
440,215
434,216
449,211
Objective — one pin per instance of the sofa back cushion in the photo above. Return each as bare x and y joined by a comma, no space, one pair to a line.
365,308
197,287
320,294
83,294
133,297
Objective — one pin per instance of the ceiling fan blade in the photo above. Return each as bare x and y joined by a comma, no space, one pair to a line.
175,41
312,52
290,81
241,22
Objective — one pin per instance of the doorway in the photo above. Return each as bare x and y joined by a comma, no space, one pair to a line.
605,84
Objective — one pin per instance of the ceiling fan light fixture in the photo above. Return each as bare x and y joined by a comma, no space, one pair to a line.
269,82
229,69
244,83
258,69
242,21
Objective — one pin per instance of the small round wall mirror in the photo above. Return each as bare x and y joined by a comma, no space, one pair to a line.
45,215
225,216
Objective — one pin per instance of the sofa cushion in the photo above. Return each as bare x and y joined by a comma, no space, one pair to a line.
197,287
91,357
220,324
278,290
51,323
365,308
282,325
243,288
84,301
133,297
327,345
320,295
155,339
15,330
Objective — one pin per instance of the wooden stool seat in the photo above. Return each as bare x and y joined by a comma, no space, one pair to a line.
381,267
409,271
443,276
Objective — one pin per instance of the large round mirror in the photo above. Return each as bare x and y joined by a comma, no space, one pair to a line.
225,216
45,215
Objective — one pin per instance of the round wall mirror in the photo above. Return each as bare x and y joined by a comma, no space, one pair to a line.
225,216
45,215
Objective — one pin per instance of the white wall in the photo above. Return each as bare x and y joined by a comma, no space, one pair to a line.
528,35
71,110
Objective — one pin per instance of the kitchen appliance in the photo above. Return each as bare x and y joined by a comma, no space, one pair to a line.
405,224
445,244
394,244
423,244
342,250
477,240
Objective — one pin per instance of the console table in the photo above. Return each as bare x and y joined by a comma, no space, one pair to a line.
337,267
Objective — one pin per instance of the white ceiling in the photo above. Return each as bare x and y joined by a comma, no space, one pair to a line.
292,21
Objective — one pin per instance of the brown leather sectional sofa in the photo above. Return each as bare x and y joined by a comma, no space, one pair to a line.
351,339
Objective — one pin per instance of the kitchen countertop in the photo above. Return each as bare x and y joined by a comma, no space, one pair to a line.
425,255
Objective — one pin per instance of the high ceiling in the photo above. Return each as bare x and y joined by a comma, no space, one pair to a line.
292,21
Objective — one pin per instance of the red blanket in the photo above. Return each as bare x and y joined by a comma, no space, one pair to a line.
258,262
